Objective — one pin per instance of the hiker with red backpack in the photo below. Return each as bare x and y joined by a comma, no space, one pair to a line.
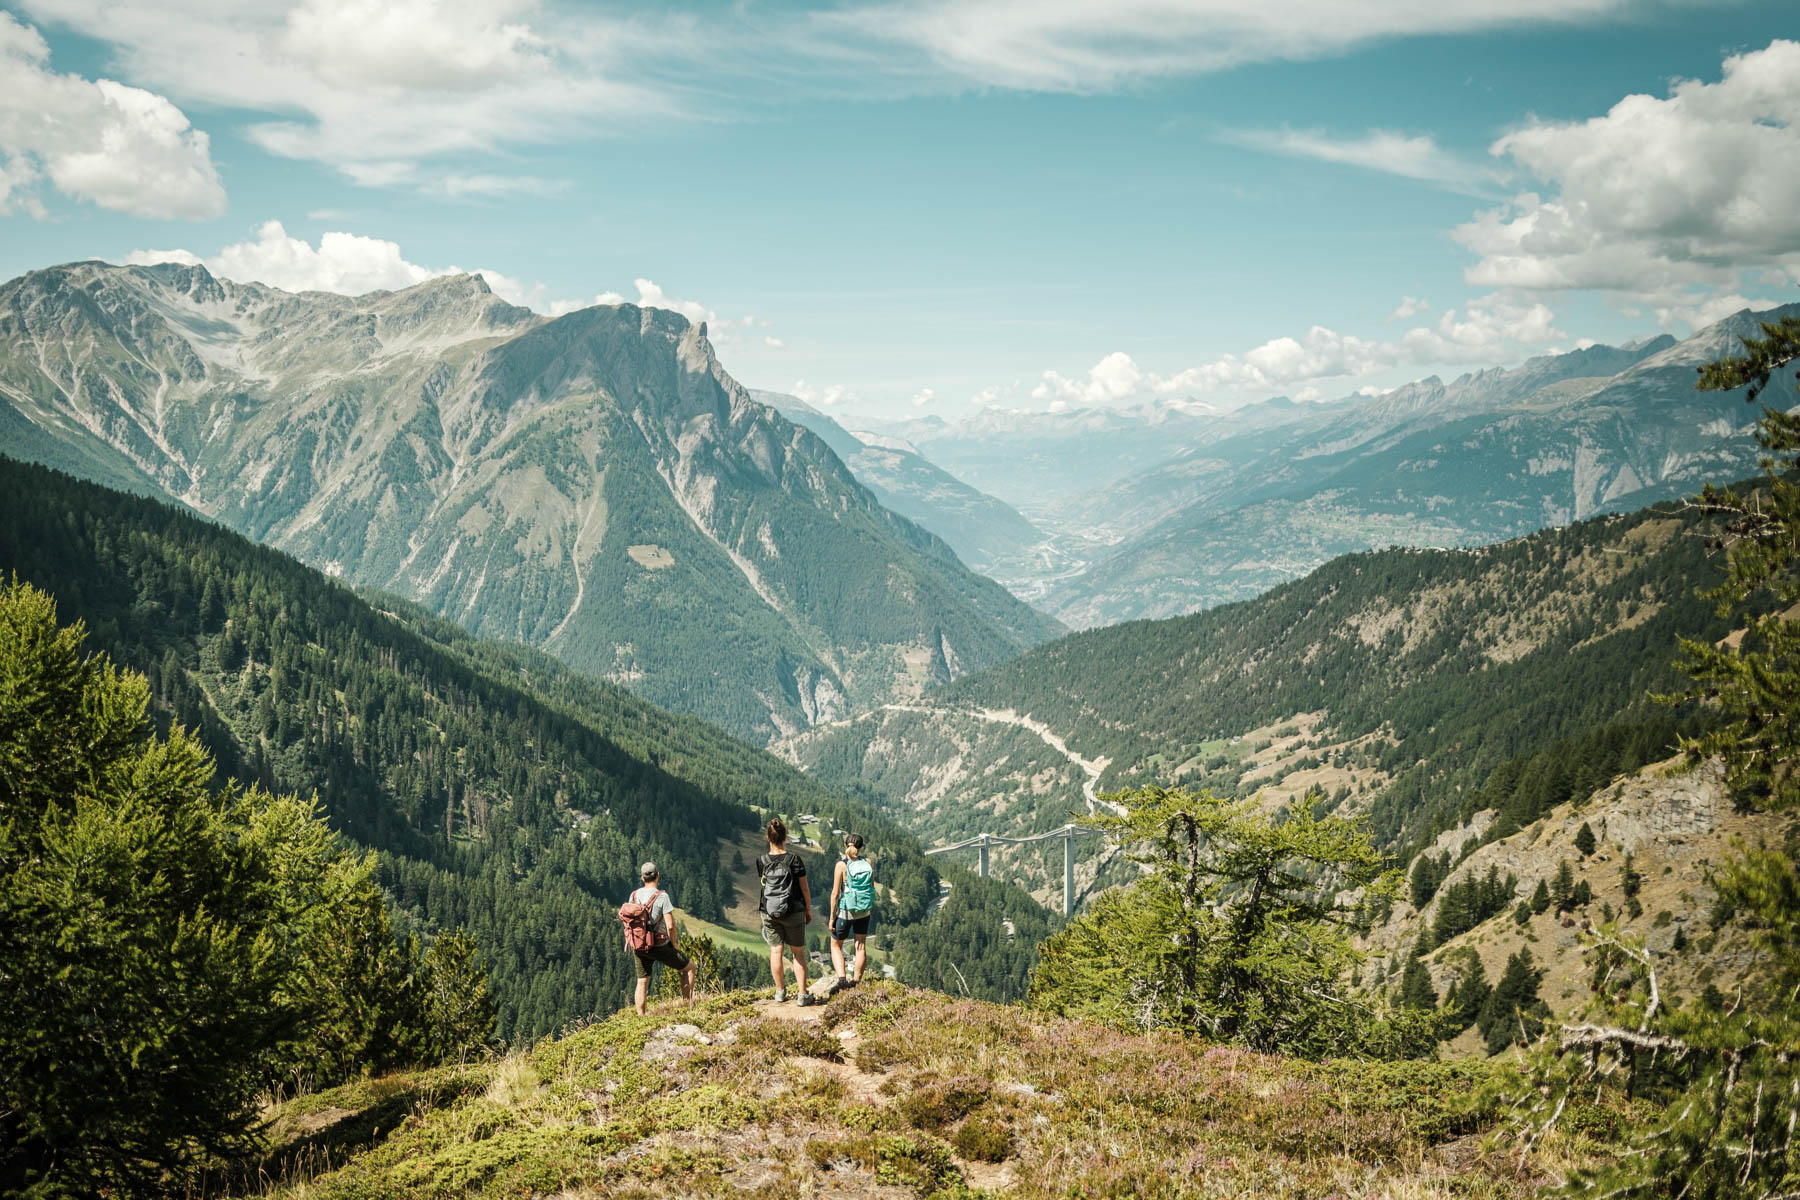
786,906
649,919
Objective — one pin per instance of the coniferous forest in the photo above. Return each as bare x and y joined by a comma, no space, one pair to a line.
505,796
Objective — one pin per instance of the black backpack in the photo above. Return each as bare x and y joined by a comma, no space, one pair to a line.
780,895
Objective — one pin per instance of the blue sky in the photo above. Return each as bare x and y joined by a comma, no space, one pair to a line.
920,207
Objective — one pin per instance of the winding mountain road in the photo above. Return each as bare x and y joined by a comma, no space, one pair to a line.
1091,767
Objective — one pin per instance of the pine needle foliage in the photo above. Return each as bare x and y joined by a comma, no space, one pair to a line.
1755,680
1723,1069
168,951
1240,930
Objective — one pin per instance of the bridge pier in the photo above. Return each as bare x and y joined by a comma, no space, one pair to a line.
984,856
1068,870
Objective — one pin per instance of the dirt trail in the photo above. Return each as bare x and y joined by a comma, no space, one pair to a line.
864,1086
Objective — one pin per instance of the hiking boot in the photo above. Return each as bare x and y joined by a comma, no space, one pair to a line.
806,1000
781,995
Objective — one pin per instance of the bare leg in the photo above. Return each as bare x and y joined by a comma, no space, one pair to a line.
800,965
775,964
862,955
643,994
837,957
687,985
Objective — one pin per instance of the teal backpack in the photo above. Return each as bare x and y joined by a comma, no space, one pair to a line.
859,887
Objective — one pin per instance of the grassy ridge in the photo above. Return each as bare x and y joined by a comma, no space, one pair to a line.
899,1093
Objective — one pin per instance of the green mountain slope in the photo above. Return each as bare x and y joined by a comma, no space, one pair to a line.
505,794
595,485
1417,686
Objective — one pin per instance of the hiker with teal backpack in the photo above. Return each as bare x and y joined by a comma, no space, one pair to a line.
852,900
786,905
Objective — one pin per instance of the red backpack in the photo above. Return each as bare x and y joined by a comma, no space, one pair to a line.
640,930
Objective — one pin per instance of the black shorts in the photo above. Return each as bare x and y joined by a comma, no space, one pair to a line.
666,954
845,926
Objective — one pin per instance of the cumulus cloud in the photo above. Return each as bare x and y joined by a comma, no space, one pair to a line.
1488,328
347,263
774,343
1111,379
352,264
374,88
1659,195
1061,45
118,147
922,397
1412,156
824,397
1408,308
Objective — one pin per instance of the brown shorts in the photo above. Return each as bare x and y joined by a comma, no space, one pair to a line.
666,954
785,931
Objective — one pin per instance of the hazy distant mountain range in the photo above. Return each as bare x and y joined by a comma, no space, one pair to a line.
595,485
1235,503
983,531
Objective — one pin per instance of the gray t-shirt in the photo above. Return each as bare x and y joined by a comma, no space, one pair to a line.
660,907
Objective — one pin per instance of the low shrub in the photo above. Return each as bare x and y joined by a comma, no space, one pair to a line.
983,1138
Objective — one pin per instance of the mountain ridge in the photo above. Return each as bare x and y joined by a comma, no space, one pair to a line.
594,483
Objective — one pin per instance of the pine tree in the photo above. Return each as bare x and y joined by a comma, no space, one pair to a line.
1563,889
1584,840
1726,1075
1540,899
1512,1012
212,943
1630,878
1464,1001
1416,990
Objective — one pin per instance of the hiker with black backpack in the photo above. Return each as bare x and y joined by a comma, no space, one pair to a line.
852,900
786,907
649,919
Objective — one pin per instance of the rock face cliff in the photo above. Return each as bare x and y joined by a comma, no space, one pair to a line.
1672,825
596,484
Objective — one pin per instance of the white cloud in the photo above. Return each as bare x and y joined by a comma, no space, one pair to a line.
352,264
1408,308
1489,328
1658,196
1412,156
988,396
1704,310
1072,45
824,397
119,147
412,43
346,263
375,88
652,296
774,343
922,397
1111,379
